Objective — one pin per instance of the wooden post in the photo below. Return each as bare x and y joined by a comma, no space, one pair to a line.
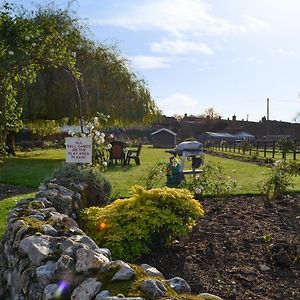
273,150
265,149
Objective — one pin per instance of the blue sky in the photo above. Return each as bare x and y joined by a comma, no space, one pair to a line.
194,54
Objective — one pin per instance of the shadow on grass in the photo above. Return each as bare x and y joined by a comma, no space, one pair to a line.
27,172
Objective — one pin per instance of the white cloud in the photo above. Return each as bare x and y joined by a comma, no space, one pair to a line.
150,62
281,51
179,17
179,46
179,104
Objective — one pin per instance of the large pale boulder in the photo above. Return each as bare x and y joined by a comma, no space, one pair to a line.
37,248
87,290
87,259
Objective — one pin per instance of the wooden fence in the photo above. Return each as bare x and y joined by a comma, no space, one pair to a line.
254,147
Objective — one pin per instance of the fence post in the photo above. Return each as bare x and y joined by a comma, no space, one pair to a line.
273,150
265,149
295,150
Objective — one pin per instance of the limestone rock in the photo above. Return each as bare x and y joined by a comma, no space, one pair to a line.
103,295
37,248
124,273
87,289
50,292
45,273
104,251
208,296
49,230
87,259
179,285
151,271
154,287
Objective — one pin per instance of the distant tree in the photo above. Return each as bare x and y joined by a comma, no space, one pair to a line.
210,114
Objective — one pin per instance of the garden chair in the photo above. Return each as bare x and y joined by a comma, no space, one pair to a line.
117,152
134,154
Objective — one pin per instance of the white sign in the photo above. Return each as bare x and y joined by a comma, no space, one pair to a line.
79,150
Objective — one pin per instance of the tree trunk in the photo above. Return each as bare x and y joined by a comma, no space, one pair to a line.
10,143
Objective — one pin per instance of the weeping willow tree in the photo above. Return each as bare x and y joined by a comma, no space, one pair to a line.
49,70
29,44
106,84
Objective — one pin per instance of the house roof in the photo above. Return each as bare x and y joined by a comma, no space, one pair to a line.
163,129
243,133
219,134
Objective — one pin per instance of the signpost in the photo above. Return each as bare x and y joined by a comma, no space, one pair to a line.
79,150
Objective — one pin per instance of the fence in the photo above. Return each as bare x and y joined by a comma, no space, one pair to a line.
255,147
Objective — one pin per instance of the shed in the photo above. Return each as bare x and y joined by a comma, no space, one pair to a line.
215,137
244,136
163,138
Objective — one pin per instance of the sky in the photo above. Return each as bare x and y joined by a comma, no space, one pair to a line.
196,54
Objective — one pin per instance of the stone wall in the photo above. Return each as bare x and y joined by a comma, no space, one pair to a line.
45,255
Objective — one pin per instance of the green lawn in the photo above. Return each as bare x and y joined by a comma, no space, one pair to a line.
31,168
6,205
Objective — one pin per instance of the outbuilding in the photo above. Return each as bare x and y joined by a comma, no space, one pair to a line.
244,136
215,137
163,138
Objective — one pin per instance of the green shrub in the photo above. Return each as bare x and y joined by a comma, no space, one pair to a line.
285,145
245,146
279,179
68,173
212,182
98,188
149,218
154,174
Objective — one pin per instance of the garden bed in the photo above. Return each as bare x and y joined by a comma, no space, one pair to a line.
244,251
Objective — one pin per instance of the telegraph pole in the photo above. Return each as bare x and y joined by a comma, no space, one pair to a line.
268,116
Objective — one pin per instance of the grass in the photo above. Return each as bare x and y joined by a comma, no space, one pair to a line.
31,168
6,205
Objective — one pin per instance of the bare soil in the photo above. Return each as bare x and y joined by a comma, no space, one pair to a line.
7,190
240,251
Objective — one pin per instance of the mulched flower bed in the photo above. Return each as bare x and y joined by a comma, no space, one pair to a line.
242,251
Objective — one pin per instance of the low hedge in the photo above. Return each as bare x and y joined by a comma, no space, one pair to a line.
149,218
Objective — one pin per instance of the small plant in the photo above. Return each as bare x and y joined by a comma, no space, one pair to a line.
285,145
154,174
267,238
97,189
213,182
149,219
245,146
279,179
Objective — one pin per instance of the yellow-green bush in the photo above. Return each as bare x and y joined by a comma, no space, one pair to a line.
131,227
